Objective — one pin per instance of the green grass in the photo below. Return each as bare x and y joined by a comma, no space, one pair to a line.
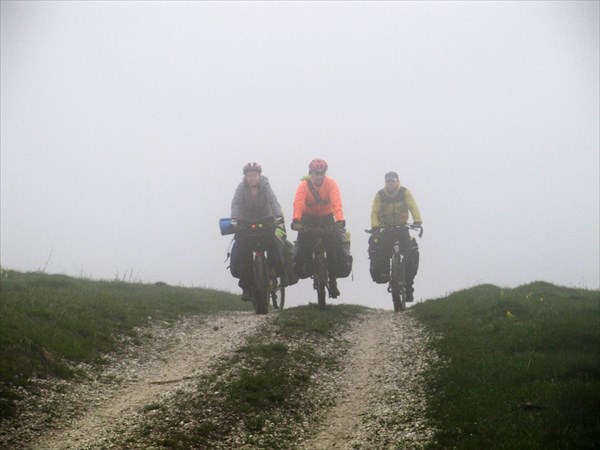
522,367
49,322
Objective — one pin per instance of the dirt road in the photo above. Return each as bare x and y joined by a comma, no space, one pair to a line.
382,384
93,415
380,401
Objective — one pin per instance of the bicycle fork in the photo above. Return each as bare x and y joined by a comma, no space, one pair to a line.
320,272
393,276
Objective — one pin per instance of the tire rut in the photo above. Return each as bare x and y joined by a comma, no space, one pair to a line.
190,349
377,400
380,392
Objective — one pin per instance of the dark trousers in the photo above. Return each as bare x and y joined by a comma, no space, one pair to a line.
245,249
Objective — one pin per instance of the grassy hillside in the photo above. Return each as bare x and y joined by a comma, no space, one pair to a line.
522,367
50,321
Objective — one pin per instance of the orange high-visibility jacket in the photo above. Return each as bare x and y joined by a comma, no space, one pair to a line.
305,202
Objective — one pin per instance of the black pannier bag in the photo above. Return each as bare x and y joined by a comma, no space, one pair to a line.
288,262
302,269
414,257
235,264
380,263
343,256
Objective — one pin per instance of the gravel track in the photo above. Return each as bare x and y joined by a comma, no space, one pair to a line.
379,392
93,415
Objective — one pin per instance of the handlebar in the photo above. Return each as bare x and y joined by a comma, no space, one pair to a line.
264,223
322,227
319,229
405,226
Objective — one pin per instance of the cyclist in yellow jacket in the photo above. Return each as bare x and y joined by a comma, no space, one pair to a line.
391,206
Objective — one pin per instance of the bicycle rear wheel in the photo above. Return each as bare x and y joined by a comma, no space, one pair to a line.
277,295
398,284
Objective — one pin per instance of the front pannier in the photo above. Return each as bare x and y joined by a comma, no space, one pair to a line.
343,255
288,262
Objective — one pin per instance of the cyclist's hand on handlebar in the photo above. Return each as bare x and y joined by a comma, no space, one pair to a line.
375,229
234,223
340,224
280,228
418,226
296,225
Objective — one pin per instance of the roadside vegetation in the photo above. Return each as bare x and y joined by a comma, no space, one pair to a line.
522,367
50,323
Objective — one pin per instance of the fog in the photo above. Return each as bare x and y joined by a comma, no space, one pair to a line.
125,127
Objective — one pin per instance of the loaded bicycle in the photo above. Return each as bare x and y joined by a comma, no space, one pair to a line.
321,236
399,237
265,283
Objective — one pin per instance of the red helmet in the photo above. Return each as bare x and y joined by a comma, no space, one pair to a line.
252,167
317,165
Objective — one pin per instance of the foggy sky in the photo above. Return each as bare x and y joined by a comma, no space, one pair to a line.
125,127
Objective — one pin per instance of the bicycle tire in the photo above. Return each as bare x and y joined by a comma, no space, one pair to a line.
281,298
278,300
273,290
260,296
398,284
320,269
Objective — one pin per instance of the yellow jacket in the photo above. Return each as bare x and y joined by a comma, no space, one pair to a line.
392,209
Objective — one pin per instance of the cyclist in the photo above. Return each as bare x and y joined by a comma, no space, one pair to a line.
253,200
318,202
391,207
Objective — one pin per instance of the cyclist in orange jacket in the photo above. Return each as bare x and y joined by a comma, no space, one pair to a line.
318,202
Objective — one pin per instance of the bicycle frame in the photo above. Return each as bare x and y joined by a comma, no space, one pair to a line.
264,279
319,257
397,283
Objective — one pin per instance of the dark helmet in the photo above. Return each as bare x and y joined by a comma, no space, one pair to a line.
391,176
317,165
252,167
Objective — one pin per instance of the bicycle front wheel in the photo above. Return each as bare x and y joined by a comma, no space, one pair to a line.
398,284
260,295
320,275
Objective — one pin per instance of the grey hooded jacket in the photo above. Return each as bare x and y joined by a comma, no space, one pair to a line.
246,208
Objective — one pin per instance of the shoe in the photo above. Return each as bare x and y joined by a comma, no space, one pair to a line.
246,295
334,292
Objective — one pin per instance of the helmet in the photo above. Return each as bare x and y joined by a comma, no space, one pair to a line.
317,165
252,167
391,176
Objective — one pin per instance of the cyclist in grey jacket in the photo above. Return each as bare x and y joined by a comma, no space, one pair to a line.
253,200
